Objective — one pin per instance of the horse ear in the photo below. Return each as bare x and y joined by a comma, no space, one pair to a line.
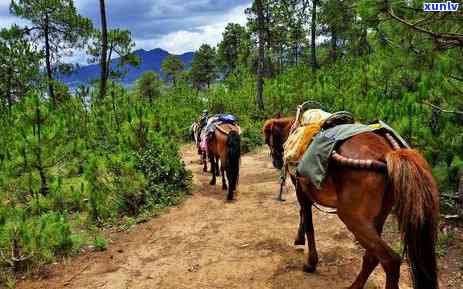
278,115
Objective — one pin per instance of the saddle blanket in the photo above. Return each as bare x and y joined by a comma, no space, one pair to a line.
314,162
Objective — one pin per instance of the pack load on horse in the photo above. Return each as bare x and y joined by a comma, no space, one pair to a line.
195,130
362,171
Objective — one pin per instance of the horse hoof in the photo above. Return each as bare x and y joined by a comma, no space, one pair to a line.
308,268
224,188
205,170
212,183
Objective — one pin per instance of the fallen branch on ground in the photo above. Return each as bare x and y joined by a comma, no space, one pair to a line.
441,109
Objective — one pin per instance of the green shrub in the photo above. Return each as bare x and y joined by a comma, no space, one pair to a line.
100,243
251,137
164,171
27,240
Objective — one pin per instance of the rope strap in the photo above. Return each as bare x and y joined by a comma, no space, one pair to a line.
361,164
395,145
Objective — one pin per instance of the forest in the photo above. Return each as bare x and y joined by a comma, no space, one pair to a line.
74,162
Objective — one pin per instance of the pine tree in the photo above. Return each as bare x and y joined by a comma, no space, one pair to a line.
58,27
172,67
120,44
234,48
148,86
203,67
19,66
313,31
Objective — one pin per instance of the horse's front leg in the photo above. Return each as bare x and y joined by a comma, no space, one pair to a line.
213,171
300,236
312,261
307,225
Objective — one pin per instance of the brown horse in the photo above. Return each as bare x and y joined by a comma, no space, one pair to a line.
365,197
224,145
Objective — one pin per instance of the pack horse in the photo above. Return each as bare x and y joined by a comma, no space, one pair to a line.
225,146
218,137
195,131
367,175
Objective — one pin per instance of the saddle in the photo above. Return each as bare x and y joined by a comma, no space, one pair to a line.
338,118
226,128
306,126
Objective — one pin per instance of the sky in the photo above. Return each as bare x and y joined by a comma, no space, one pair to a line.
177,26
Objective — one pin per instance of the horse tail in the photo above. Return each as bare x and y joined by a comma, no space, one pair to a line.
234,153
417,204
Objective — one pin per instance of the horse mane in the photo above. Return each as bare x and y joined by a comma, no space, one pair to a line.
280,122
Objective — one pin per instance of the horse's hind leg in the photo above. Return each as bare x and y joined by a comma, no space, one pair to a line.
369,261
230,193
217,172
366,233
212,160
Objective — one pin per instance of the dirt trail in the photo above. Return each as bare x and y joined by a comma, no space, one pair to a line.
209,243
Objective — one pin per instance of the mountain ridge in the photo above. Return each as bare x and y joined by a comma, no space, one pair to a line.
151,60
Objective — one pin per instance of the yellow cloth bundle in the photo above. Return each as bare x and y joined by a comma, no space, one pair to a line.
309,124
299,140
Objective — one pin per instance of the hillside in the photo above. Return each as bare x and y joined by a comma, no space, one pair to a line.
150,61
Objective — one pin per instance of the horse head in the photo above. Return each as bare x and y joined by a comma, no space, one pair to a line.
276,132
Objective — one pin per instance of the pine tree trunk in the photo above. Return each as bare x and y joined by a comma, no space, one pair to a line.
296,52
313,28
104,50
261,56
9,98
460,194
40,167
334,46
51,92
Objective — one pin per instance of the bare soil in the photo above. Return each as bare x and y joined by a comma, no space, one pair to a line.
207,242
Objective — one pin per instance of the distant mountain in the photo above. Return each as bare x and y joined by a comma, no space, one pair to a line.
150,61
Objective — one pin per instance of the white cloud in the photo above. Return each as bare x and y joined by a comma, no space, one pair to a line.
183,29
183,41
7,21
